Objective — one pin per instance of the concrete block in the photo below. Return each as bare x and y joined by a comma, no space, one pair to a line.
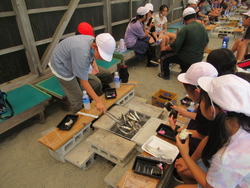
145,108
76,139
116,174
105,122
81,156
57,156
147,131
138,99
112,147
125,98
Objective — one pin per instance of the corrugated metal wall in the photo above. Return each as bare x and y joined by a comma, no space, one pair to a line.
14,64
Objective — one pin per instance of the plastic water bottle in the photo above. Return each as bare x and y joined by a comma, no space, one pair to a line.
224,45
85,100
225,40
117,80
191,108
122,45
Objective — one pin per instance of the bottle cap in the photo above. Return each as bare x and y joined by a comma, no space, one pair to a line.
116,73
84,92
121,39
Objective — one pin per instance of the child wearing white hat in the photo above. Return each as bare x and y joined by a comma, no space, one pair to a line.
241,44
225,152
198,125
136,38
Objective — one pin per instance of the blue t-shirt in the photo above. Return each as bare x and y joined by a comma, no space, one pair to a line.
72,57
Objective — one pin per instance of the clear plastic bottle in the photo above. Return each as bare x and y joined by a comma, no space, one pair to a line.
121,45
86,101
191,108
117,80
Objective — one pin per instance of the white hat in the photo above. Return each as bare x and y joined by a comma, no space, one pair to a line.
149,6
106,46
247,13
230,92
188,11
192,2
196,71
142,11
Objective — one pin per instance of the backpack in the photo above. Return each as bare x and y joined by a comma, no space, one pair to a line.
3,106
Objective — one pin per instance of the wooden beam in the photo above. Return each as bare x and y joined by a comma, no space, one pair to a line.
27,36
107,15
175,4
59,32
130,10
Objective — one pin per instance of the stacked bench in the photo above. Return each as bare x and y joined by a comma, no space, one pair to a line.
71,145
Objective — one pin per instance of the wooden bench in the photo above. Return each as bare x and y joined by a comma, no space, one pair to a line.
52,86
124,56
175,27
112,66
210,28
238,31
27,101
56,138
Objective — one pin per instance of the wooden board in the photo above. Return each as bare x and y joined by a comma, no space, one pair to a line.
52,86
211,27
111,66
56,138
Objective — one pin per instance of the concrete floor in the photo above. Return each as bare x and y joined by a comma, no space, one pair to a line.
27,163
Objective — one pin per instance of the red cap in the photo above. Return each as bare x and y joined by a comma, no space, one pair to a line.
85,28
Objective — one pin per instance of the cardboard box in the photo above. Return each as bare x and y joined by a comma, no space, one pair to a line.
160,97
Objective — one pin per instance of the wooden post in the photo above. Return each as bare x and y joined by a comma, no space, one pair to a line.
59,32
107,16
173,6
27,36
130,10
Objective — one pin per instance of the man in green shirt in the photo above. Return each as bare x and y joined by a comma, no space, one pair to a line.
188,46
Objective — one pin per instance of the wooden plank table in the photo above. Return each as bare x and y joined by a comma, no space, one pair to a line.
56,138
27,101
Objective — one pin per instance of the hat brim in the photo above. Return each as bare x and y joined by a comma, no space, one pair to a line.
182,78
246,14
204,82
105,56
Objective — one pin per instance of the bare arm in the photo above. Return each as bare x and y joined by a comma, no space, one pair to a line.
198,174
241,51
99,104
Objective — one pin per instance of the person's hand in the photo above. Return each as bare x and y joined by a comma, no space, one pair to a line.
95,70
181,111
172,122
100,106
183,148
180,165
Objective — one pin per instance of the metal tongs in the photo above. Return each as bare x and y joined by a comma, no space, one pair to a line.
117,120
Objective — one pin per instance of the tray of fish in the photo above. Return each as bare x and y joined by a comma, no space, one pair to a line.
127,125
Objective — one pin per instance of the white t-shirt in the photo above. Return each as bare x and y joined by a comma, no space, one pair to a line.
230,166
159,23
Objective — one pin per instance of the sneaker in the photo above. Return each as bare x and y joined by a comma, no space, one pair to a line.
151,64
177,177
164,77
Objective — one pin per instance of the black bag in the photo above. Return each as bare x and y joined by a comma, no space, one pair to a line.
123,72
3,105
